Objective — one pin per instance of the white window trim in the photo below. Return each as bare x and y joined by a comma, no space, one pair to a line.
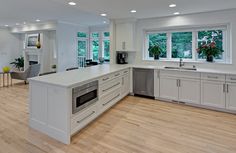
227,55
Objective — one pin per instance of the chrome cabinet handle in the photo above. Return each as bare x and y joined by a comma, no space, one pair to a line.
233,79
227,88
86,117
110,100
212,77
111,87
179,83
117,74
104,79
125,72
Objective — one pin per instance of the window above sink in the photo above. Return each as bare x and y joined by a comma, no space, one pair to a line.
183,43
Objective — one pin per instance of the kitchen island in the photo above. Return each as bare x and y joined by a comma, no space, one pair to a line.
53,106
57,101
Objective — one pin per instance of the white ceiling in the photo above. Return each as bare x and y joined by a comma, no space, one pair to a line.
87,12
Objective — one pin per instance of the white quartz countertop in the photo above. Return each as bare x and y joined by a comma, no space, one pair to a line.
74,77
71,78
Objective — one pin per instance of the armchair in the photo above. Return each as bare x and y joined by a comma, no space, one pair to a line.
32,71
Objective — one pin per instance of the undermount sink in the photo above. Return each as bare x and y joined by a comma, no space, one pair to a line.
180,68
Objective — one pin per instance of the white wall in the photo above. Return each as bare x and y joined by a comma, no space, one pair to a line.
67,45
9,47
201,19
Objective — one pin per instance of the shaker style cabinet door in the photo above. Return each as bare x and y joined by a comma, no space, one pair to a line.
169,88
231,96
213,93
189,91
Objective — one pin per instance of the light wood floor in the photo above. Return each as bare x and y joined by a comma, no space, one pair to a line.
135,125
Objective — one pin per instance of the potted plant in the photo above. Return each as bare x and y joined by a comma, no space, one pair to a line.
19,63
210,51
155,50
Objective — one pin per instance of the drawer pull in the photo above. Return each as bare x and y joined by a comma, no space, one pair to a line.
110,100
233,79
105,79
117,74
111,87
86,117
125,72
212,77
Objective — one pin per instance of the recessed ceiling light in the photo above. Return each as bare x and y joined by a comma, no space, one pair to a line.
17,24
172,5
104,22
133,11
72,3
176,13
37,20
24,22
103,14
6,25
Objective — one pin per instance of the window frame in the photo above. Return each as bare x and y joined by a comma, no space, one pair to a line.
227,55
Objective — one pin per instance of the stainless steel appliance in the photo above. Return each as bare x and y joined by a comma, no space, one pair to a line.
143,82
84,95
122,57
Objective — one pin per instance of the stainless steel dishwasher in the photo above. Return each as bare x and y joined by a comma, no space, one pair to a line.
143,82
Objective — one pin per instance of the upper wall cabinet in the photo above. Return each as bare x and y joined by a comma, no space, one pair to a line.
125,34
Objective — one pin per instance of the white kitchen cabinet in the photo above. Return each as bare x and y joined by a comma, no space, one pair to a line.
213,93
189,91
231,96
169,88
125,32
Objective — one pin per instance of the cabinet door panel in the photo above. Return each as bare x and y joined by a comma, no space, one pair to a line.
231,96
125,85
212,93
189,91
168,88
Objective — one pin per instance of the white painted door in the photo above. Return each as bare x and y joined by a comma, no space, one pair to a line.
125,85
189,91
231,96
212,93
169,88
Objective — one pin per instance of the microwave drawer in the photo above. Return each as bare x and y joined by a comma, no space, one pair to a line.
110,86
81,119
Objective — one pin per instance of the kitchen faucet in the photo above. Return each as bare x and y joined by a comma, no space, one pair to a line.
181,63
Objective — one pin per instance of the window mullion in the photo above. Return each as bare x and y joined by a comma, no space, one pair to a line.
169,53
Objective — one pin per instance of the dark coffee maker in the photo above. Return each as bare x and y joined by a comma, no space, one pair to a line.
122,57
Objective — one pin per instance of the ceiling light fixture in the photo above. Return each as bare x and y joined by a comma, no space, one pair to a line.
17,24
172,5
104,22
24,22
72,3
133,11
176,13
103,14
37,20
6,25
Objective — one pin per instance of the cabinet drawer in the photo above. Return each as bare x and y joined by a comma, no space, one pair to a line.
109,100
124,72
110,86
231,78
213,76
105,78
181,74
83,118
